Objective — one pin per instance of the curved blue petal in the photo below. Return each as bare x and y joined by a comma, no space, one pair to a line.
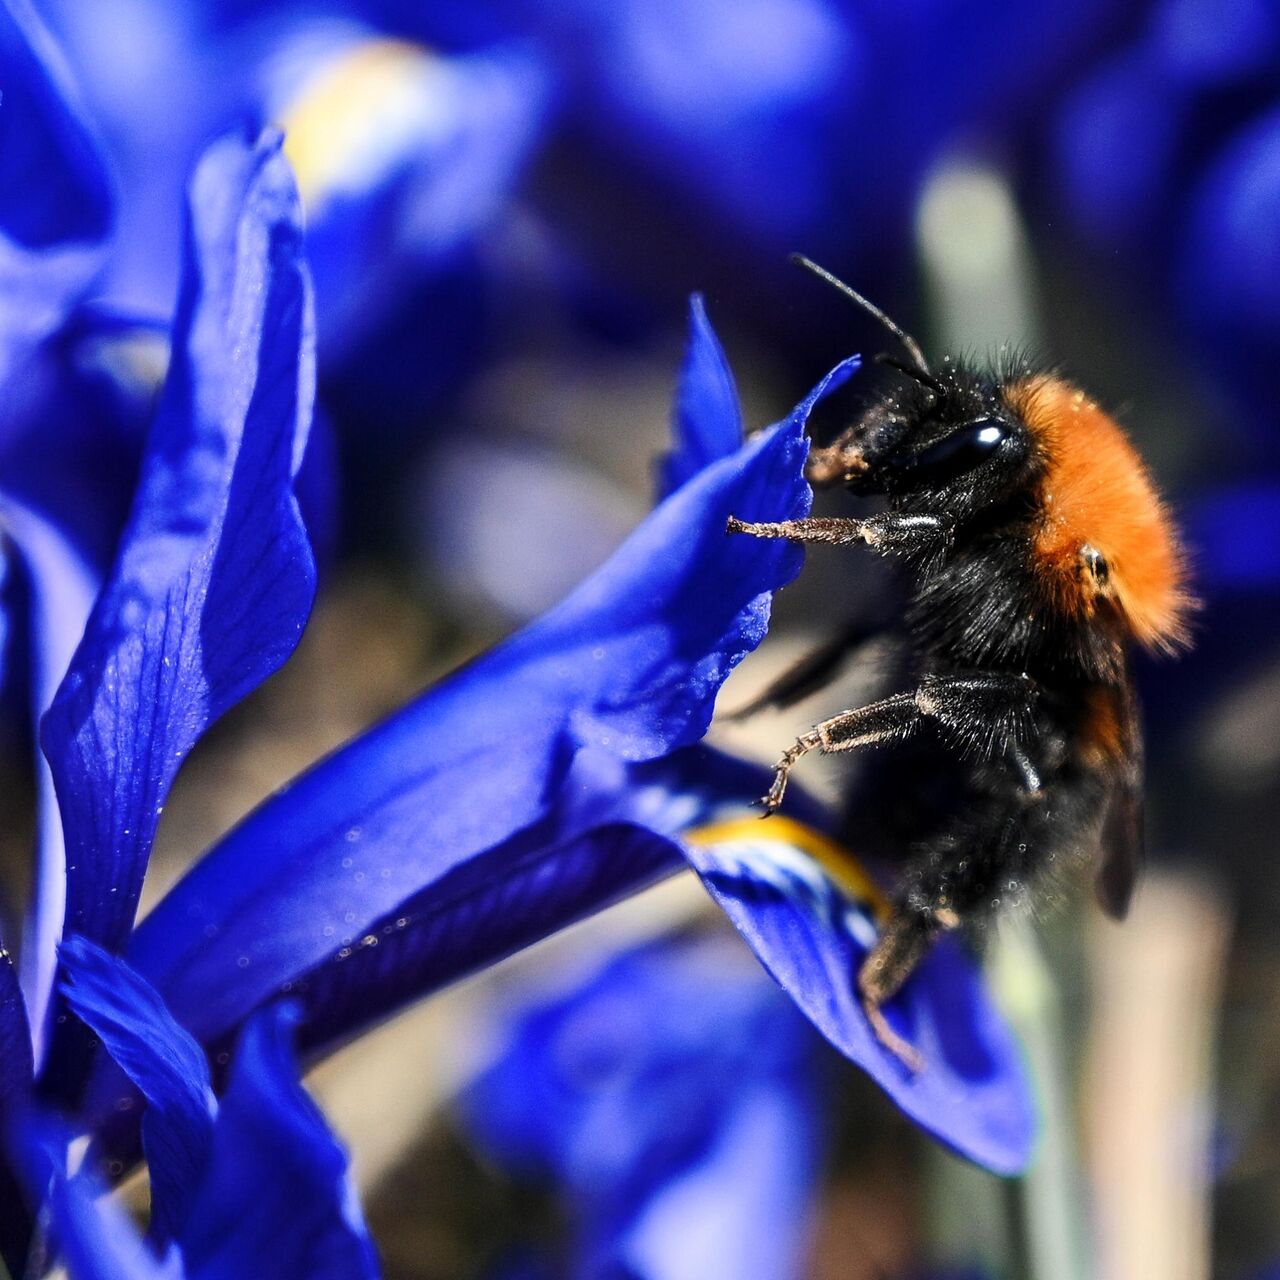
812,937
629,664
276,1200
707,418
162,1060
215,576
62,588
55,201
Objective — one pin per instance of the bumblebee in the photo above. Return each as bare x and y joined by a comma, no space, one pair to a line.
1038,554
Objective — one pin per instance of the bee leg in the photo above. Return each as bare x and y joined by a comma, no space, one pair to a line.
902,945
833,530
812,672
957,703
893,717
902,531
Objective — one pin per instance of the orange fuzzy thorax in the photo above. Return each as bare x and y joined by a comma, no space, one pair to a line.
1097,493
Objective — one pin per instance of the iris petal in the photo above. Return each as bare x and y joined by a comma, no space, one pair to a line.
277,1200
215,576
274,1197
708,423
96,1240
62,587
165,1064
628,665
55,201
813,936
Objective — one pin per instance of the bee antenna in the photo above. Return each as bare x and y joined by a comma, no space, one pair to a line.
911,346
916,375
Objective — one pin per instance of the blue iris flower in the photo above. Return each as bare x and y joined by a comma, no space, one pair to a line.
674,1100
239,383
1167,159
550,777
554,775
405,158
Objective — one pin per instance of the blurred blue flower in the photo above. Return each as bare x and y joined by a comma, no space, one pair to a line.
673,1100
1165,160
405,158
55,201
668,138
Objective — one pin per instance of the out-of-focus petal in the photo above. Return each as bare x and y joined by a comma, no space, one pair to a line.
1235,538
215,576
471,496
403,156
276,1200
671,1099
1229,262
75,421
61,589
164,1063
1241,40
1117,138
812,934
629,664
55,202
734,102
744,1209
95,1238
707,419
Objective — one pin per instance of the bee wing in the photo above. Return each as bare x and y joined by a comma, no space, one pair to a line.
1122,843
814,671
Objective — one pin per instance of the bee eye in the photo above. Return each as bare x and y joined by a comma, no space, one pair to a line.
959,452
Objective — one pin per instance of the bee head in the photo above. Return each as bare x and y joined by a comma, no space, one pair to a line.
951,437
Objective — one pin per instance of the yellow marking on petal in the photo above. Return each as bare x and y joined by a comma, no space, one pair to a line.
345,105
844,869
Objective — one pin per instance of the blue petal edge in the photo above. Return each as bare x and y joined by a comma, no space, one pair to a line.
162,1060
812,936
215,576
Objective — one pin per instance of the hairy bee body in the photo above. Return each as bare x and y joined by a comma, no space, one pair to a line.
1038,555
